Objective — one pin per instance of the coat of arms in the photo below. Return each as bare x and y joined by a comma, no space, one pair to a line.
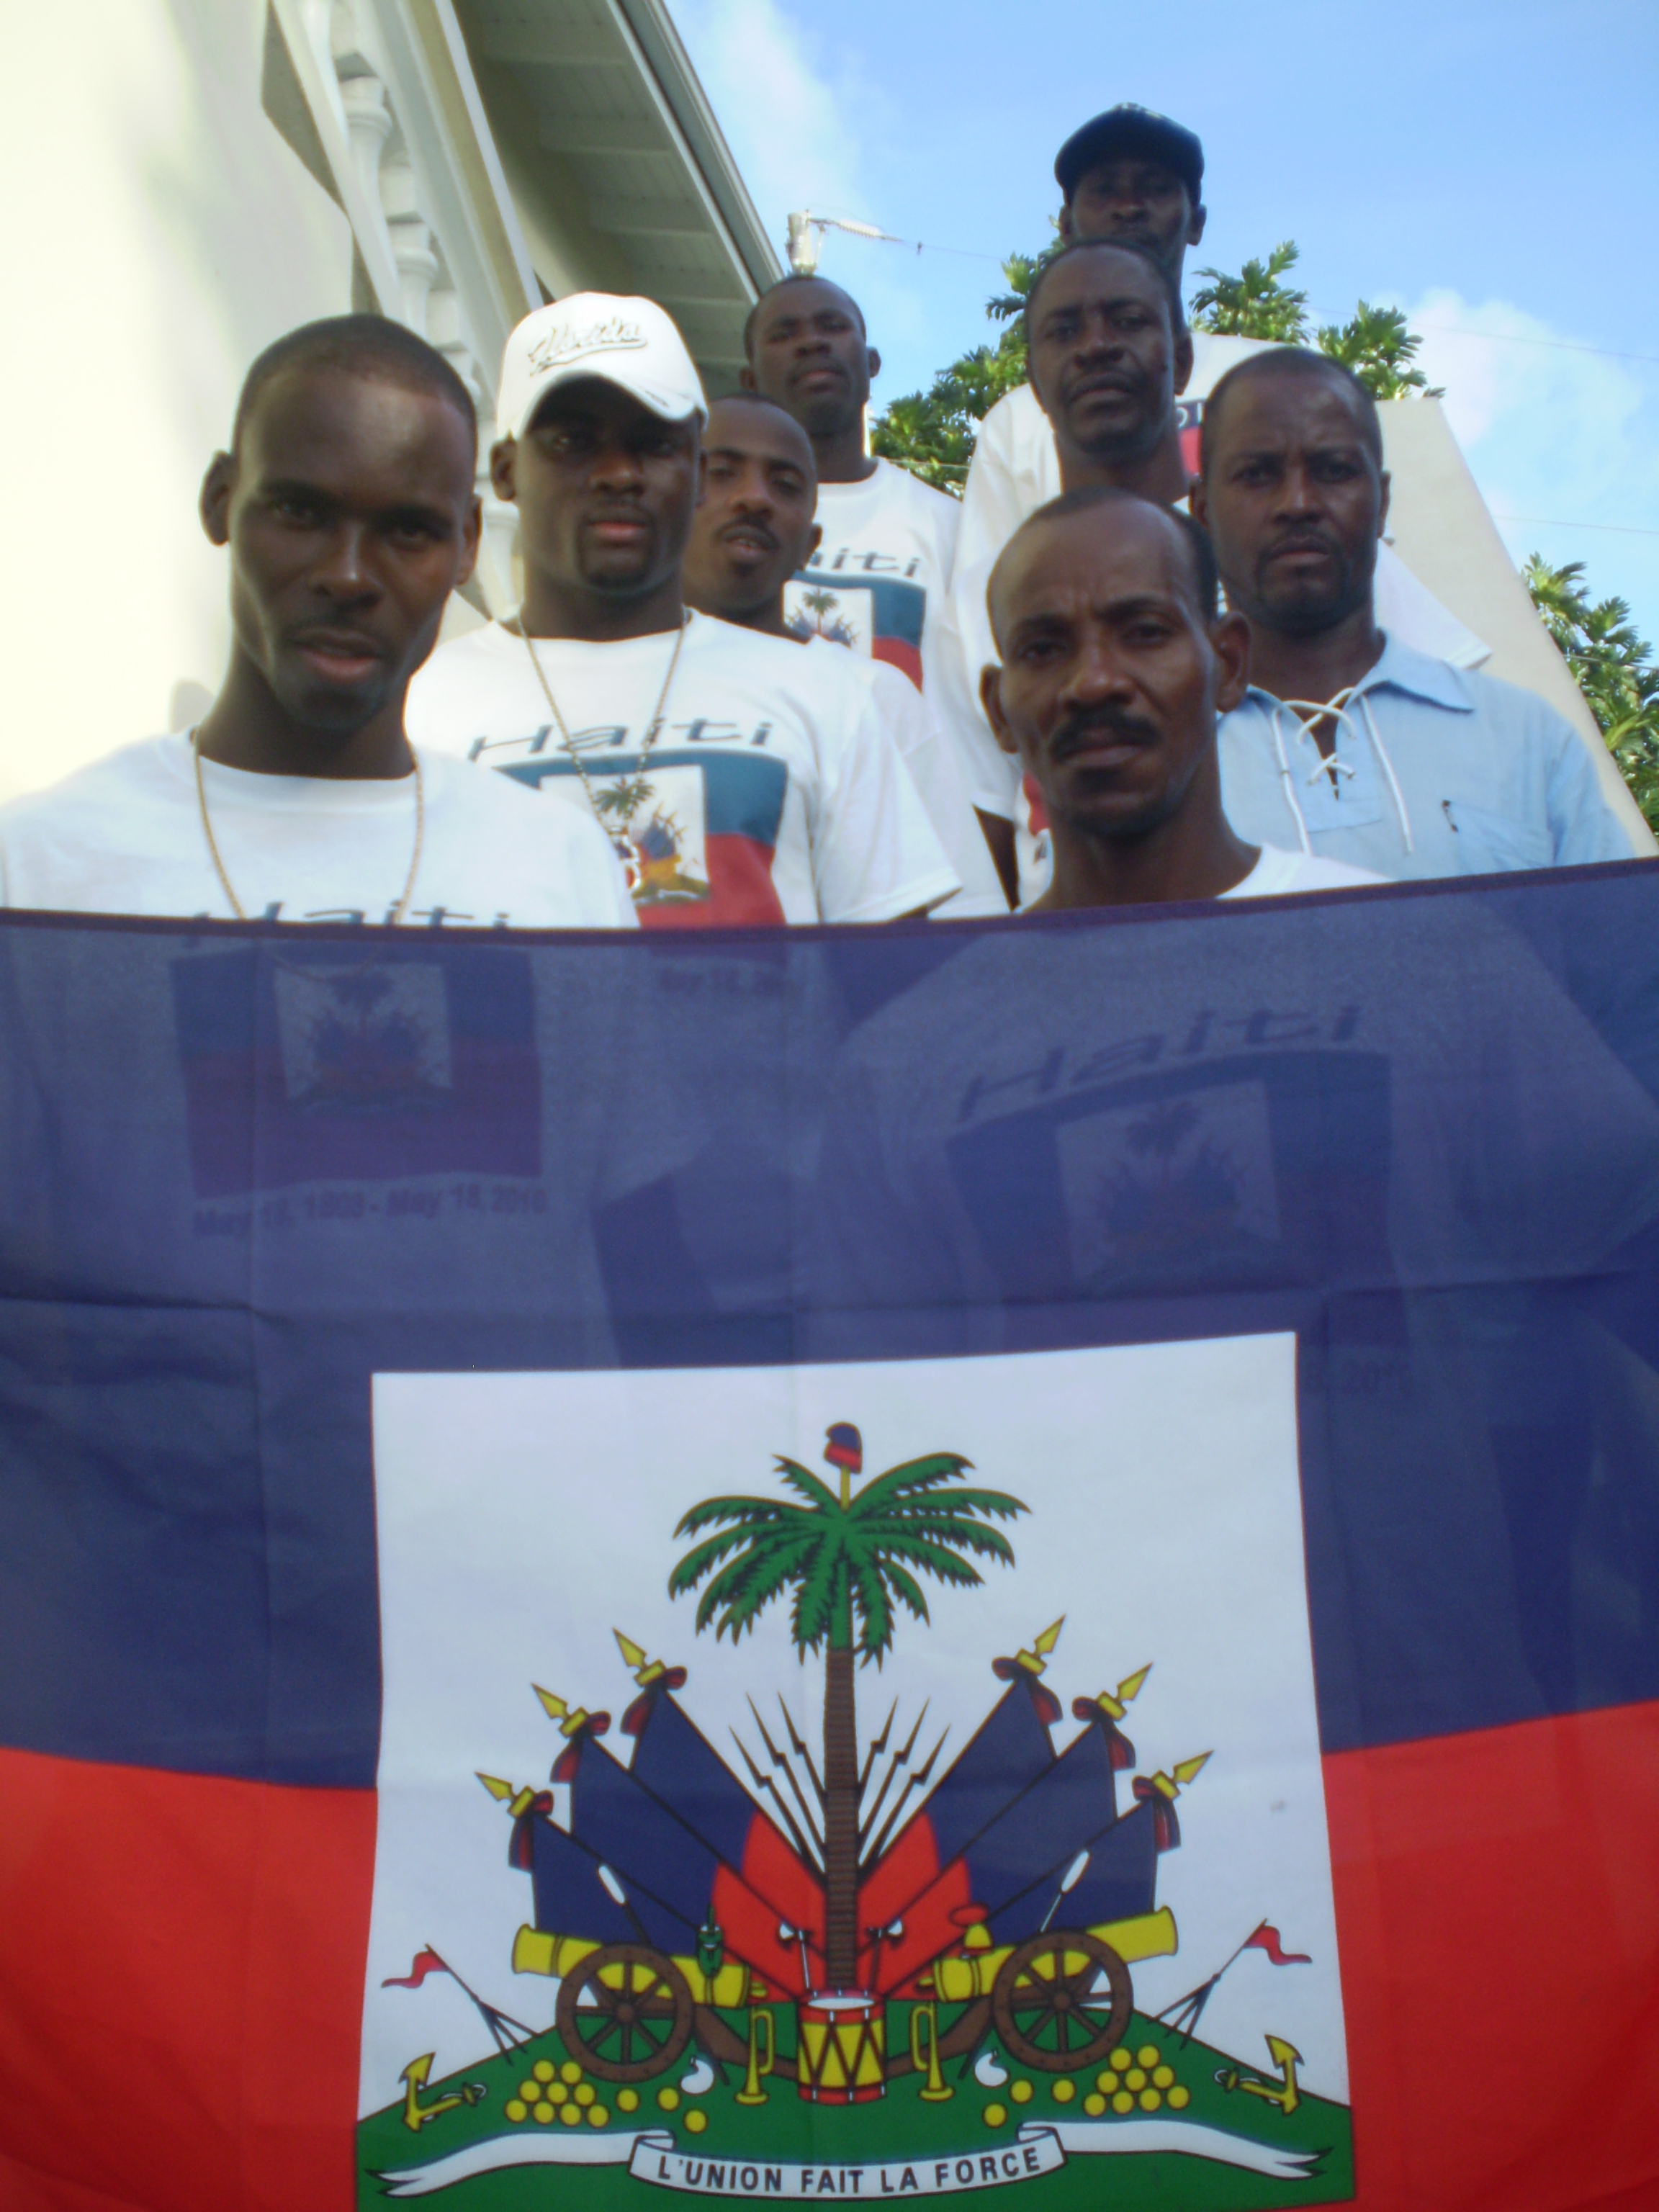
853,1949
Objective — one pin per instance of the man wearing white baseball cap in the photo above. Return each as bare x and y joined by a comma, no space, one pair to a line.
741,781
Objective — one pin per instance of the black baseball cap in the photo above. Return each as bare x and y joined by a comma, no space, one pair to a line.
1130,129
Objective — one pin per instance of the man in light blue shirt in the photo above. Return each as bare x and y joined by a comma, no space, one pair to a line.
1348,744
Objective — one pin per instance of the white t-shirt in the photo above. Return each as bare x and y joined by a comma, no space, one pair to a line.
932,766
1277,873
774,790
124,836
877,580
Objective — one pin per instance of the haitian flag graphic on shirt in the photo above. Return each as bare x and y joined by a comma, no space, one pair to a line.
695,831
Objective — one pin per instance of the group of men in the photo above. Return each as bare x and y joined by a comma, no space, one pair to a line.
757,676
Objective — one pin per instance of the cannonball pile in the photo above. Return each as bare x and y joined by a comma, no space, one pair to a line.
1136,2081
550,2092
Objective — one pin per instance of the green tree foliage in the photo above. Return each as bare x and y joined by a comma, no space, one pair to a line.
846,1562
1612,666
932,433
1378,346
1254,304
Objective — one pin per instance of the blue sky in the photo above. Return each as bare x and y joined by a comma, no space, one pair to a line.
1490,167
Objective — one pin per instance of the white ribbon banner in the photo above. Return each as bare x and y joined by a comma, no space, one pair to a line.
1043,2147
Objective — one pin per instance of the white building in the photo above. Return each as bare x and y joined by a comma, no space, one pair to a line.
185,179
189,179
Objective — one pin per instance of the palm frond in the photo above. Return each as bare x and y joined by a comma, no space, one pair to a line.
814,1612
748,1583
910,1475
996,1505
974,1536
803,1480
871,1606
752,1511
936,1559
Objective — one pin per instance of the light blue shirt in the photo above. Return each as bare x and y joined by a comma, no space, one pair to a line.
1438,772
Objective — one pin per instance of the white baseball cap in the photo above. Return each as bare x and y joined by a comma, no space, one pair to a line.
632,343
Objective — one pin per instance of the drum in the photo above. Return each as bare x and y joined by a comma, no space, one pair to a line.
841,2047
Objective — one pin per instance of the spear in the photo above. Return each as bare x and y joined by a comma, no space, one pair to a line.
878,1744
899,1758
917,1779
764,1782
797,1744
789,1775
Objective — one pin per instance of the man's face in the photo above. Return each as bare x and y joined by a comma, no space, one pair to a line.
1138,201
755,526
1104,362
1112,677
811,356
605,489
350,513
1294,501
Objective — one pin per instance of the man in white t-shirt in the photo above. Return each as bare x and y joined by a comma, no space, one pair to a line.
741,781
875,580
1116,664
753,529
347,506
1137,177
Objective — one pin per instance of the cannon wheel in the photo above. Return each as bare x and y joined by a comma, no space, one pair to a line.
1057,2016
625,2012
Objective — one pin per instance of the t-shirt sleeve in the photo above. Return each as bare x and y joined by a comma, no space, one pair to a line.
966,647
875,854
933,770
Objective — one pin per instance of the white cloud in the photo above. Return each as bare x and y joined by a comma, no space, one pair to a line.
783,118
1565,436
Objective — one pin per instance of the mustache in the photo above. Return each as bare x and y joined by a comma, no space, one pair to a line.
1080,731
746,527
1303,540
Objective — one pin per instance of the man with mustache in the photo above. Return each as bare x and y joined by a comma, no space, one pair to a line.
1348,741
1133,178
754,529
1109,352
878,578
738,783
1116,662
346,503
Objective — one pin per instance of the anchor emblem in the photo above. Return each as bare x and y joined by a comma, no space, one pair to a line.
415,2077
1283,2093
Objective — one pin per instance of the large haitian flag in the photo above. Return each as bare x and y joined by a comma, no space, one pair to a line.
1018,1558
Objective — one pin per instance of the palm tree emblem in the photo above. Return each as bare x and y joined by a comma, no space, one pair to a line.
848,1559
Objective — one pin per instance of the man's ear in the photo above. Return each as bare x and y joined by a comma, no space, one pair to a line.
1383,509
813,544
213,504
1183,361
1195,227
873,359
702,475
990,697
1065,225
746,379
503,468
1198,505
471,530
1229,640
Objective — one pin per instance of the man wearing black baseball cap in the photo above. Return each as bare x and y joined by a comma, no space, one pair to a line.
1133,176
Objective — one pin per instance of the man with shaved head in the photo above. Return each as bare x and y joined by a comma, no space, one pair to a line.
1116,662
346,507
752,530
1348,742
875,580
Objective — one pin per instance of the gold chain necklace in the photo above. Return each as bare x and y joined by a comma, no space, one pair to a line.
236,906
618,825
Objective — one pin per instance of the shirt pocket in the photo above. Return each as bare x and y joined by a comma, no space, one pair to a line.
1490,844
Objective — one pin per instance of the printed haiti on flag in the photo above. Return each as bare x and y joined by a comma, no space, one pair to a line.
1021,1557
